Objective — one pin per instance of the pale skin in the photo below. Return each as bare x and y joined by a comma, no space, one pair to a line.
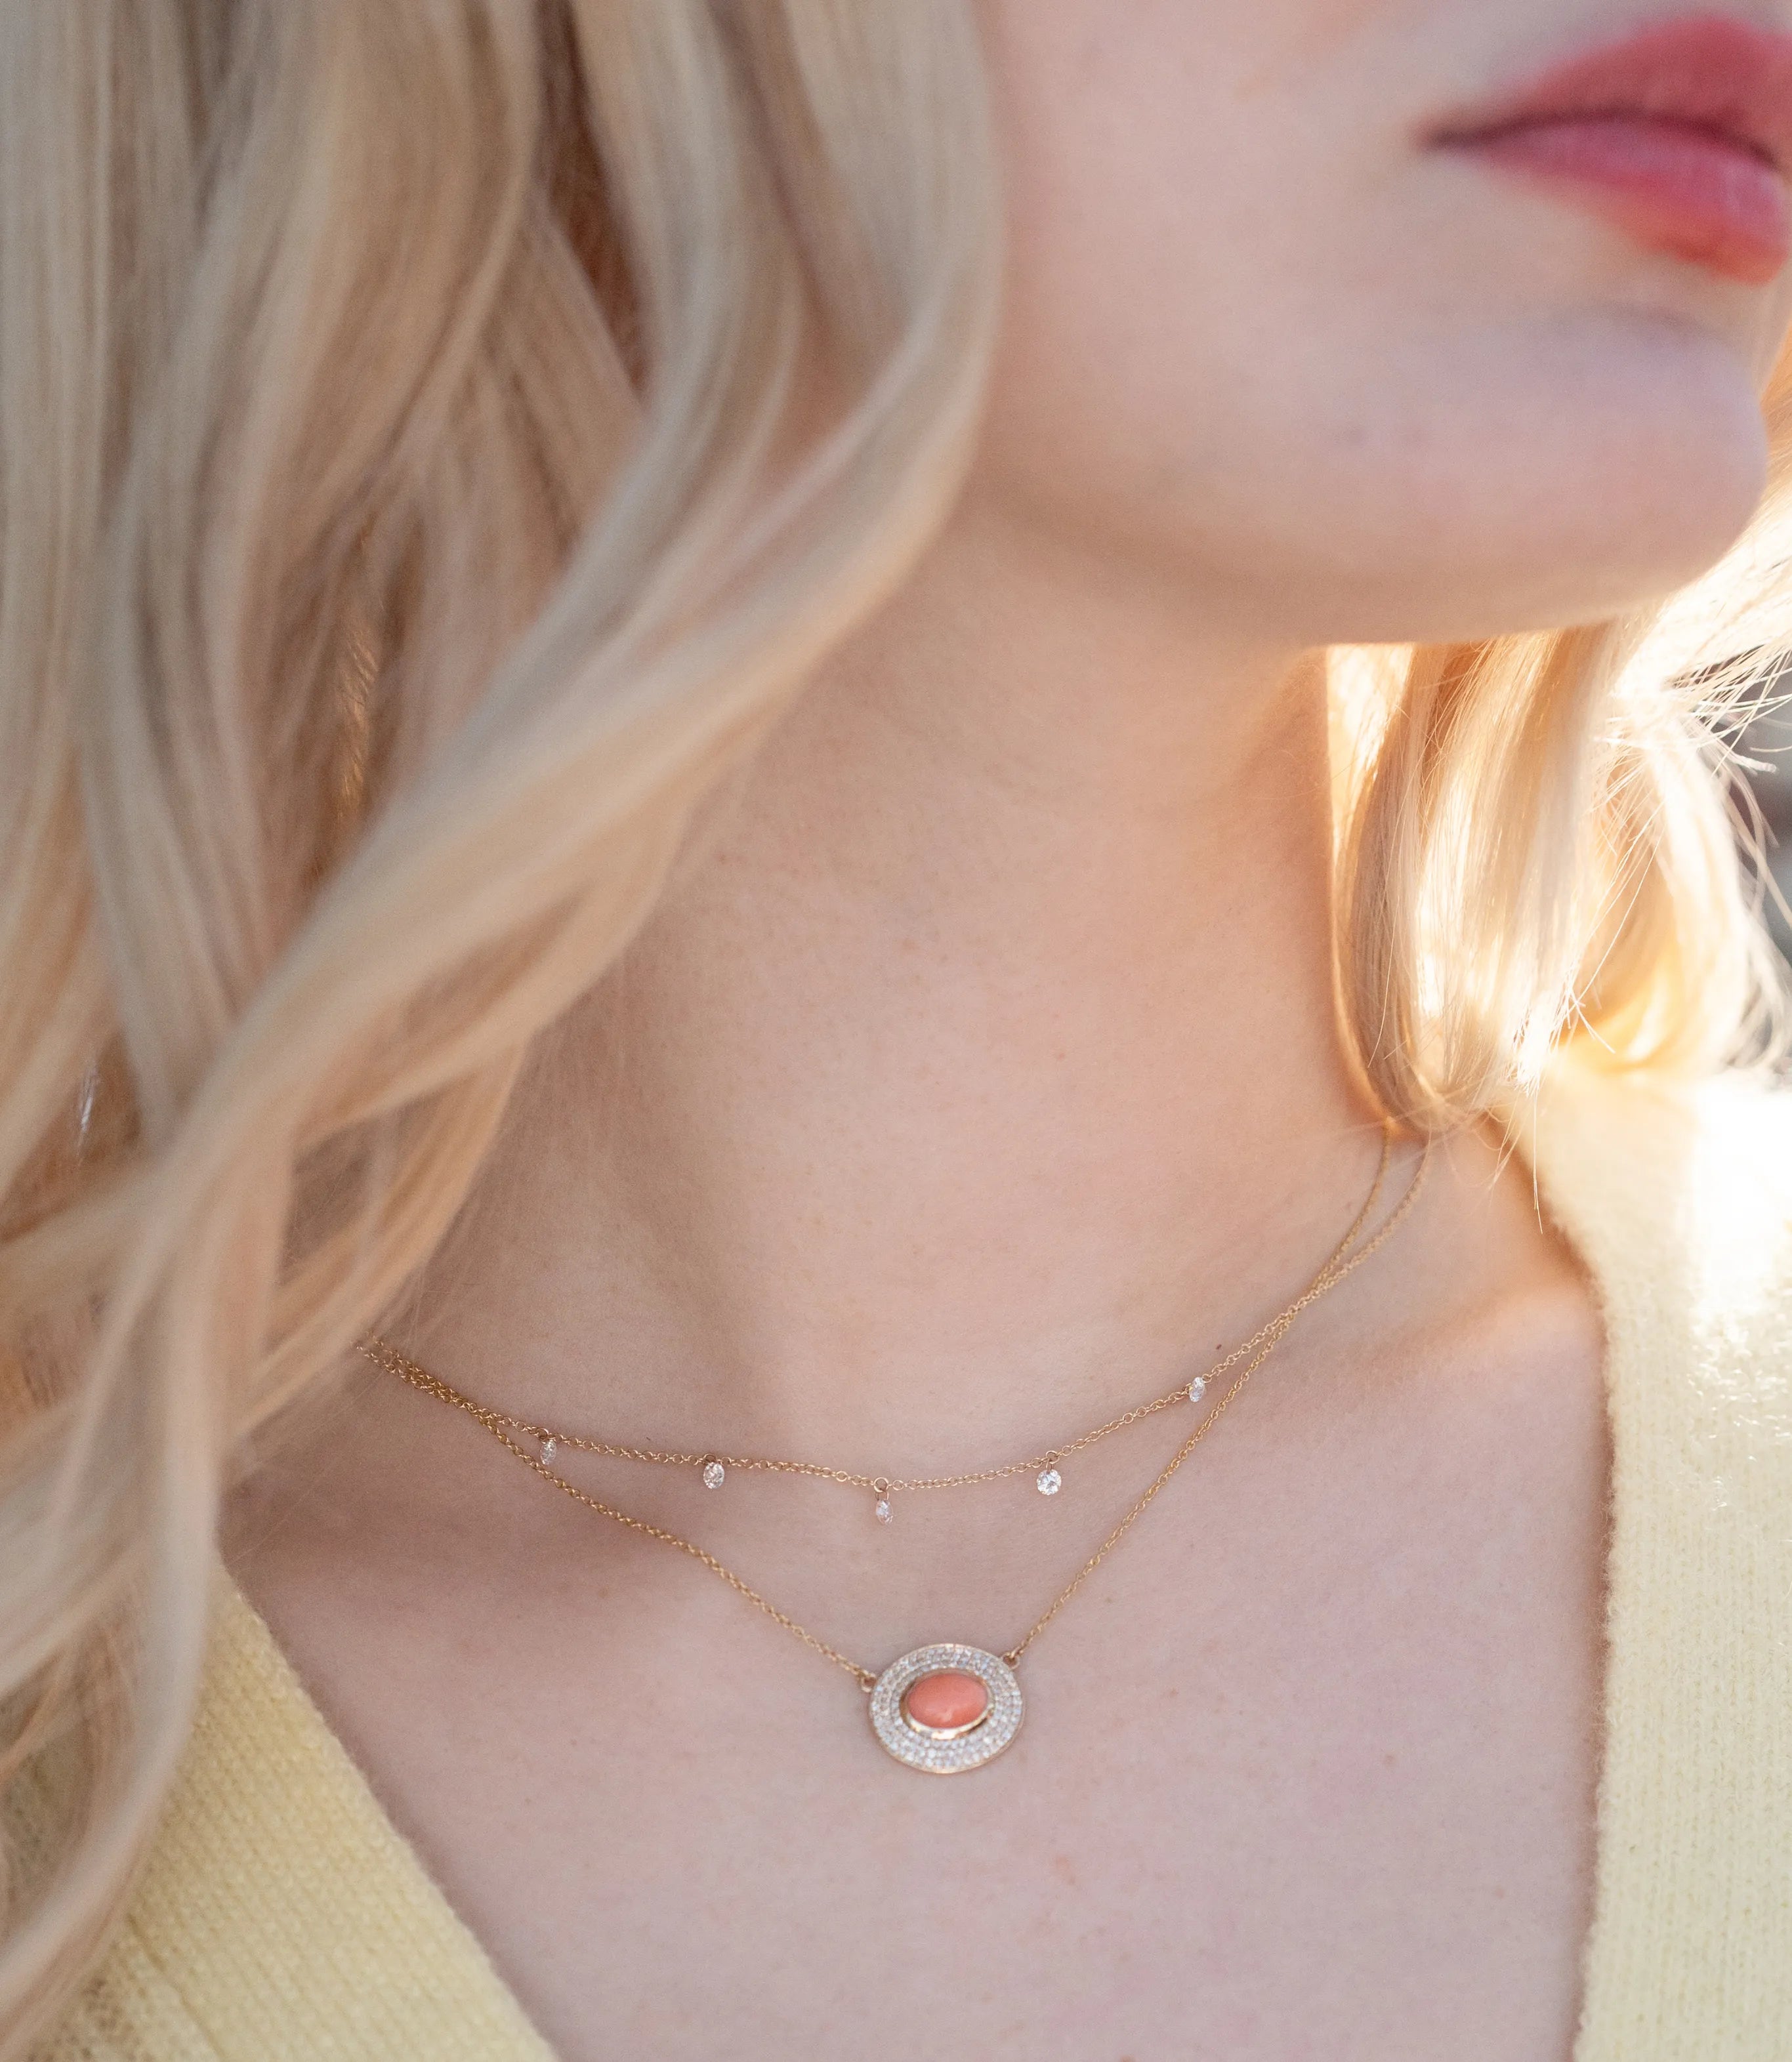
980,1077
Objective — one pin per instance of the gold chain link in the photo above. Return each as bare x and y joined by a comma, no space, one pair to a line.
1260,1345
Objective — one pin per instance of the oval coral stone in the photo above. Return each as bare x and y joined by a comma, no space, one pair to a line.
947,1703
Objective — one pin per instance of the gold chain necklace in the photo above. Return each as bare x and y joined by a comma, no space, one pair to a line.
945,1708
713,1467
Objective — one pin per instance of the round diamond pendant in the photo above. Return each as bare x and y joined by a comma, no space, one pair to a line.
714,1474
1197,1388
1048,1482
926,1710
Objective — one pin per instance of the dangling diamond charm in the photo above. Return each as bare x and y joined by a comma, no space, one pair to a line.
1197,1388
881,1510
714,1474
550,1446
1048,1482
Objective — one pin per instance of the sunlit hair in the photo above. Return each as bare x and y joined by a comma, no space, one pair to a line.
437,437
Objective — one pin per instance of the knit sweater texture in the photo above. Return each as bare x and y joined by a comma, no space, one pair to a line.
281,1918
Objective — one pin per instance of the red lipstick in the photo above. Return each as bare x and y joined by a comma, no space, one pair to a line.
1680,136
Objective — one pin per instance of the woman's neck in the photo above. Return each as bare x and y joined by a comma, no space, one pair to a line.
980,1071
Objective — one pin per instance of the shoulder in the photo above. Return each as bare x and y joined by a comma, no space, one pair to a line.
1678,1194
1677,1198
1629,1142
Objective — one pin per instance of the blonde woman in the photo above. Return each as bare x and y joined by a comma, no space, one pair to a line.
869,913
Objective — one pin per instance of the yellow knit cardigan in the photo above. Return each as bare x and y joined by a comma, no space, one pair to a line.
281,1918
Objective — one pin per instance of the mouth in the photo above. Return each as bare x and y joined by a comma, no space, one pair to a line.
1681,137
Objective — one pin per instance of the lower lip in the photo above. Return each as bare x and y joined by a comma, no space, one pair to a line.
1682,191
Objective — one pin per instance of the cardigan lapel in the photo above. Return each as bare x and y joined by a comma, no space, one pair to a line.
282,1917
1678,1204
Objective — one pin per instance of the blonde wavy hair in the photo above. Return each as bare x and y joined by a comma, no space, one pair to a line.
437,438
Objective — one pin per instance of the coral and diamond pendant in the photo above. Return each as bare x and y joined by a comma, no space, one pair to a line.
946,1708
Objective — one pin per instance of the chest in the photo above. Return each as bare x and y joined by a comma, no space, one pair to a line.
1309,1777
1290,1866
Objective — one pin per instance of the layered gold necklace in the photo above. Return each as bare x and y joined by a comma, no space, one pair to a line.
946,1706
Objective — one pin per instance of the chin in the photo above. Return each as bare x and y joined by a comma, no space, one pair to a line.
1481,591
1564,508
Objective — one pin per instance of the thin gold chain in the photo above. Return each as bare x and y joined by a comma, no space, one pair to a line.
384,1353
1265,1340
1275,1329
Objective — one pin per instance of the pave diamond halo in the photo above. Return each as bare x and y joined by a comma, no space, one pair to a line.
922,1747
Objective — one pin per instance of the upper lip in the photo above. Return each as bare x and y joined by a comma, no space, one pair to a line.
1711,72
